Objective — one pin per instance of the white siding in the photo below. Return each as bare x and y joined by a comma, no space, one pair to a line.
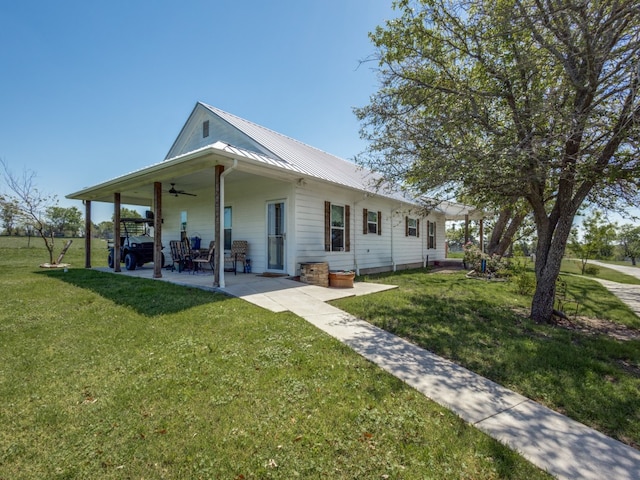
309,225
373,250
304,206
248,200
370,251
191,137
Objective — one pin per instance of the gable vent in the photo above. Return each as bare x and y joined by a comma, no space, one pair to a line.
205,129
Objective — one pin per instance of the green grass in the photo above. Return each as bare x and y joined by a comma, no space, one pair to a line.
483,326
626,263
107,376
574,267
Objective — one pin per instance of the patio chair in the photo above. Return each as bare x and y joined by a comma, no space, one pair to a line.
176,260
238,253
209,258
179,256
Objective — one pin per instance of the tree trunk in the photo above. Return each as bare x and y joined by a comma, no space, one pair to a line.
551,247
633,261
545,294
503,232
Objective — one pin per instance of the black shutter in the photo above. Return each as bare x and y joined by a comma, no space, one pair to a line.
365,221
347,228
327,226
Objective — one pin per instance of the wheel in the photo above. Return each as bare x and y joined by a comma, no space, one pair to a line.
110,259
130,261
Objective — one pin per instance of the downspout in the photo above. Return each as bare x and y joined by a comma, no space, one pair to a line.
425,238
221,249
393,261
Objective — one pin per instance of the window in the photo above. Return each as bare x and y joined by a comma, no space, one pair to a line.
371,222
227,228
412,228
431,234
205,129
336,228
183,225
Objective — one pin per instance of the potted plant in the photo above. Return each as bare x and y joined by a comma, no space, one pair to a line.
341,278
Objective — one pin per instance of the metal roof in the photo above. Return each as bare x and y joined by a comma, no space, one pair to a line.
287,155
305,159
302,157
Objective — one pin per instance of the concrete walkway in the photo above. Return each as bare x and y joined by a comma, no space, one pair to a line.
561,446
629,294
627,269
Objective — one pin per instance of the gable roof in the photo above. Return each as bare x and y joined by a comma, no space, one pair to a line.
235,137
282,151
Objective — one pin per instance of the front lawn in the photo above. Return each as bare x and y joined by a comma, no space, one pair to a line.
107,376
483,326
574,267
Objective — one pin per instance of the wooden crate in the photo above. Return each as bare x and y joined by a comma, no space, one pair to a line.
315,273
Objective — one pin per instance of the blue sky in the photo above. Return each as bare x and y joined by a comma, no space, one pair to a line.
93,90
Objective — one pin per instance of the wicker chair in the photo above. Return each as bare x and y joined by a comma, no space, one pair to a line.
238,253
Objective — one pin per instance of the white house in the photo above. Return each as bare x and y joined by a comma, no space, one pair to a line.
291,202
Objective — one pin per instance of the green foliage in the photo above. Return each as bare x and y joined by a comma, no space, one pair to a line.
629,237
593,378
591,270
507,101
110,377
575,268
128,213
525,283
65,221
489,265
597,239
522,276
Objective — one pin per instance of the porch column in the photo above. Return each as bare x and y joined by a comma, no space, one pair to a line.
116,232
482,235
87,234
466,229
218,228
157,230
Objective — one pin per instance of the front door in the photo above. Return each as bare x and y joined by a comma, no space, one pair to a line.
276,236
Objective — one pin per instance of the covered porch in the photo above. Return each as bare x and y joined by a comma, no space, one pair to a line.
196,180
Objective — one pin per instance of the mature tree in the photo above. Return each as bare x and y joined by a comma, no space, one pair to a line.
65,220
629,237
104,229
31,204
128,213
511,100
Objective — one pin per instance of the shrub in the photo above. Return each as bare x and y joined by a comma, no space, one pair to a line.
494,264
591,270
525,283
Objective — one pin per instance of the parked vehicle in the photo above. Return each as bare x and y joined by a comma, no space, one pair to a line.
136,245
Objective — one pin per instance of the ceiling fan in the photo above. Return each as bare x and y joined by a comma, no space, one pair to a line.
175,192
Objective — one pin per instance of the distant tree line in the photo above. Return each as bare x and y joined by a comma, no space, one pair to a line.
596,239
